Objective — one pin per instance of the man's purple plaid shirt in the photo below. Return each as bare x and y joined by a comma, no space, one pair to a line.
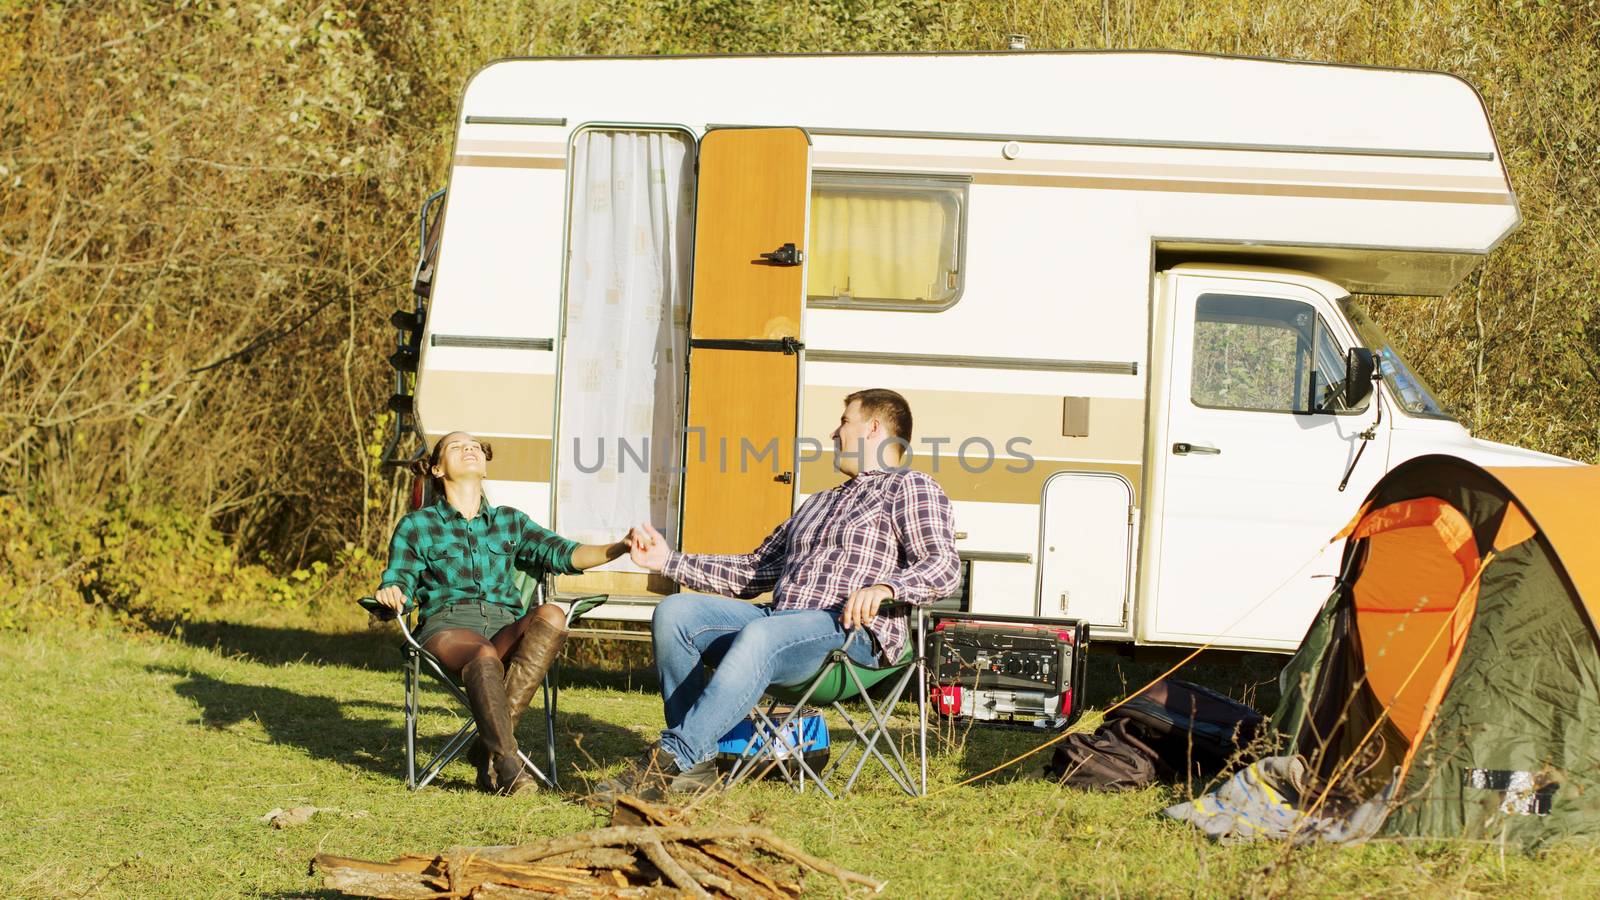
889,526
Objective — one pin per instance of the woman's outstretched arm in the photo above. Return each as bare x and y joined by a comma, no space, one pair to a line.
587,556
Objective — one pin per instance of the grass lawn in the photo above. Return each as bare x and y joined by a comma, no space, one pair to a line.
142,765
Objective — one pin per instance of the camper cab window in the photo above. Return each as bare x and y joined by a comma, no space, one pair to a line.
1265,354
885,241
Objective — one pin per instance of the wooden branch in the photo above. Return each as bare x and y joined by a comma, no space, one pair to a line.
638,835
598,858
633,811
409,862
383,885
784,848
617,836
657,853
712,874
594,864
749,872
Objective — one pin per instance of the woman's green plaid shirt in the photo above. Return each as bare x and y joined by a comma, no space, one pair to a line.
438,557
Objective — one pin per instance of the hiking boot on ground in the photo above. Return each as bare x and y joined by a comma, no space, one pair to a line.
653,775
525,670
501,767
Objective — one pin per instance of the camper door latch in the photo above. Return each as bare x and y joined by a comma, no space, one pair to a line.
787,255
1184,448
784,478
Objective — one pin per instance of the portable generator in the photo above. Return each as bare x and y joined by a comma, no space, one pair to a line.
1009,670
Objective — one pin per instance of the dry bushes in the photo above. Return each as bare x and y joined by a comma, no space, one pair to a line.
181,180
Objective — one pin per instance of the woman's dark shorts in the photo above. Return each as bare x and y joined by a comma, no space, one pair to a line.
484,618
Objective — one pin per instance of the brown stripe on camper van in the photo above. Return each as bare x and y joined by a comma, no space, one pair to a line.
478,401
510,162
515,459
1246,188
996,484
1115,425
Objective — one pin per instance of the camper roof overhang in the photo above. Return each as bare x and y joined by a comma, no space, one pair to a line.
1363,270
1383,180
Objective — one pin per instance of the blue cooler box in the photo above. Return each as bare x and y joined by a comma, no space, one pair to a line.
808,732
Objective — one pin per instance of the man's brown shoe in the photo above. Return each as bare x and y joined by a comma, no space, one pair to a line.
654,774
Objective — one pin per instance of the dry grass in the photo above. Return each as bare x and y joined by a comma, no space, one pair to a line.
143,767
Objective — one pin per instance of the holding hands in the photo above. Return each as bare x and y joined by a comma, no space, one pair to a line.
647,548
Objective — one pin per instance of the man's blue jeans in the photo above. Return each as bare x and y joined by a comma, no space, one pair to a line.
750,646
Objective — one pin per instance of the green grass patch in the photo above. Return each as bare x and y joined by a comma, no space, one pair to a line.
141,765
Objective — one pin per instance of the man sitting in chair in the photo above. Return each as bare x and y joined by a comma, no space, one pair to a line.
885,534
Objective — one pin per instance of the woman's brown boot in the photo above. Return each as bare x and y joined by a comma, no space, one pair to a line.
526,669
530,662
501,767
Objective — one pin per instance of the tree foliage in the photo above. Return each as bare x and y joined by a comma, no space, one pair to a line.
180,181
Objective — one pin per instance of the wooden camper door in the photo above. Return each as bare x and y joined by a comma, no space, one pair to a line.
744,336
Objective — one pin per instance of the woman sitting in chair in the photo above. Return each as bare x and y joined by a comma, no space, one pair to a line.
455,560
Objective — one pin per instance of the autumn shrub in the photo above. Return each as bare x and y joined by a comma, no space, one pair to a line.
207,211
152,565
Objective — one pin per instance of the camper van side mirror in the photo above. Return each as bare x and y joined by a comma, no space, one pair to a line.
1360,364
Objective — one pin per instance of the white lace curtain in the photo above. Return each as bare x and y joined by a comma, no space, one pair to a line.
626,335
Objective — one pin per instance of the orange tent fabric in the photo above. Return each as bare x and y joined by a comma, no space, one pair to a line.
1413,602
1564,501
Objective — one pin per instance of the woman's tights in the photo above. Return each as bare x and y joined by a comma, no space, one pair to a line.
455,647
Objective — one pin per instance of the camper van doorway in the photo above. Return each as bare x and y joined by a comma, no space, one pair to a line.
624,340
1252,456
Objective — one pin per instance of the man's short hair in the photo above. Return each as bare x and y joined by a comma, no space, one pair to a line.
888,406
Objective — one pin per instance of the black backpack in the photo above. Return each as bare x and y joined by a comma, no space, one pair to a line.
1174,730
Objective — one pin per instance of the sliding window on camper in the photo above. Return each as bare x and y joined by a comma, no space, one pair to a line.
886,241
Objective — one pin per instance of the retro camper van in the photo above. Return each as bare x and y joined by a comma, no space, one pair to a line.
1116,289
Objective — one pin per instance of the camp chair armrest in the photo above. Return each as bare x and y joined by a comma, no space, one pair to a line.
386,614
371,605
578,607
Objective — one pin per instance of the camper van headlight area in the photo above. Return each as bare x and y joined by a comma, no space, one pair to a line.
1414,394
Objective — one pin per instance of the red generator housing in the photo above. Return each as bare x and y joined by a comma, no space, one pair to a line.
1009,671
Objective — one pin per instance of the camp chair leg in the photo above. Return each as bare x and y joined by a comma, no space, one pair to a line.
550,695
771,735
899,771
772,743
802,768
447,753
411,721
921,667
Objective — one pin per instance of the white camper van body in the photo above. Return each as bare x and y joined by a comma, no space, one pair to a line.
1117,236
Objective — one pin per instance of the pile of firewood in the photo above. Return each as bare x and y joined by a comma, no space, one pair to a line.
645,852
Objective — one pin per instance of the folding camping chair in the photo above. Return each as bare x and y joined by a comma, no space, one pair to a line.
778,743
418,660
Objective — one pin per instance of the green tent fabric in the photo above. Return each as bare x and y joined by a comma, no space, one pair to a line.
1457,654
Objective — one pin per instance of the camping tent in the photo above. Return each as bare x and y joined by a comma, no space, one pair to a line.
1458,656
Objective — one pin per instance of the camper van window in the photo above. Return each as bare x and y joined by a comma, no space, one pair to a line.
1414,394
885,241
1259,353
